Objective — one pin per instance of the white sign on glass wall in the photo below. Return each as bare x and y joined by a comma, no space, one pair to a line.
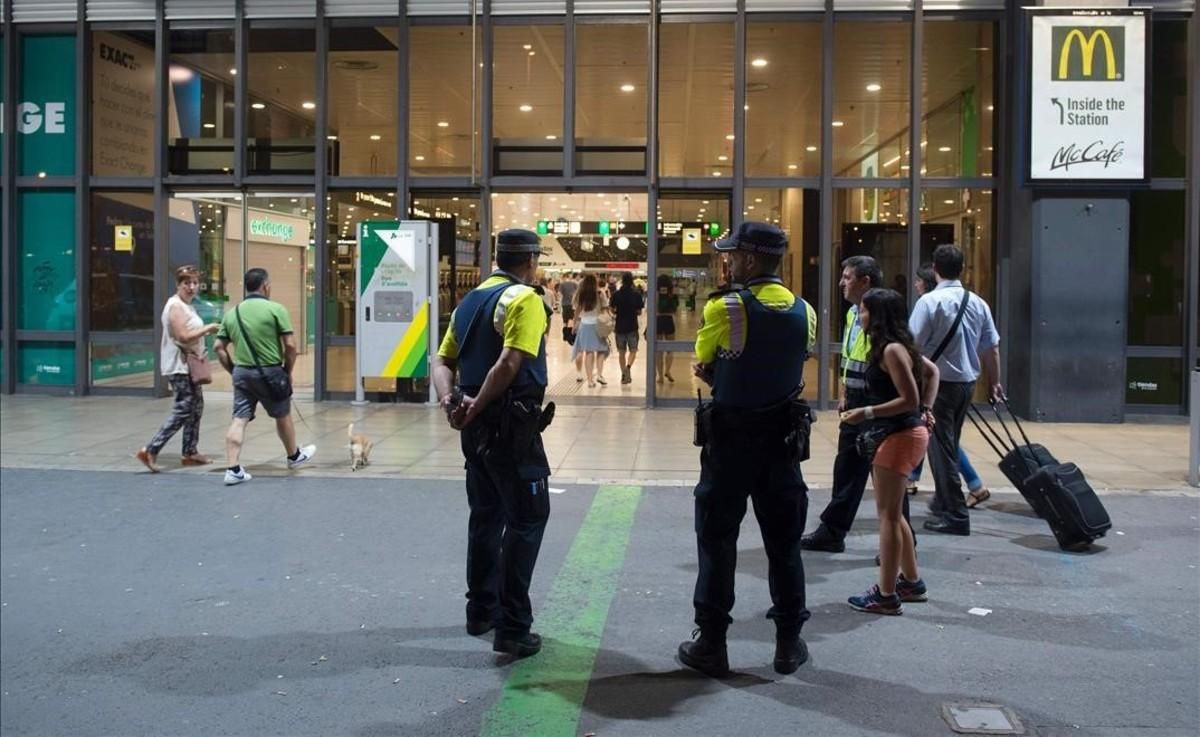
1088,95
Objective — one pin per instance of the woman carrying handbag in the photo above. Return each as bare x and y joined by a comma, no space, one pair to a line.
185,364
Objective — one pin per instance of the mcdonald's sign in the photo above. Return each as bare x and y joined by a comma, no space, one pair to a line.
1100,57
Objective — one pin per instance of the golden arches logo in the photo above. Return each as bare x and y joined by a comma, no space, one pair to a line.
1087,53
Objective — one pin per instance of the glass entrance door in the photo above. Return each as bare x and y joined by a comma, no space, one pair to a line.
225,234
590,241
688,270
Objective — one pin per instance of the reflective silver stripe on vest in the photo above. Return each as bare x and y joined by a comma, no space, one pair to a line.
737,327
506,299
855,373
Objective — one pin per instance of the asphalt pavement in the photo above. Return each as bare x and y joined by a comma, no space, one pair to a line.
137,604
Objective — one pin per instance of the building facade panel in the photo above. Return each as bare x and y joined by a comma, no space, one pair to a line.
628,145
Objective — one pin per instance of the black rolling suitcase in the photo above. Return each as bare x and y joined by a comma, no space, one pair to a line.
1058,492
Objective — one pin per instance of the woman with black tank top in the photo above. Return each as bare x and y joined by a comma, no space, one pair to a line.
901,386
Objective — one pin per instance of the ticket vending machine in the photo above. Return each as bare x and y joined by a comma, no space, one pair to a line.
396,274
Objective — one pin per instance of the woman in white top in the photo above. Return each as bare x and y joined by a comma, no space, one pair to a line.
183,332
590,349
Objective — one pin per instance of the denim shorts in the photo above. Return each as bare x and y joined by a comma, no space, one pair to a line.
249,391
627,341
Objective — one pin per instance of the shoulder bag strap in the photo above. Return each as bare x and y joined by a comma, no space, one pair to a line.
246,337
962,309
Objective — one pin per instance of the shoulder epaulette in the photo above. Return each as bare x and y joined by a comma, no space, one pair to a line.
722,292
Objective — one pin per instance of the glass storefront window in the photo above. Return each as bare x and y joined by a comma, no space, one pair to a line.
871,98
281,93
122,262
611,75
695,100
868,222
123,116
344,210
363,78
129,365
527,105
1156,381
46,283
439,100
51,364
1168,98
958,106
783,98
458,243
962,217
200,102
1157,285
688,266
46,119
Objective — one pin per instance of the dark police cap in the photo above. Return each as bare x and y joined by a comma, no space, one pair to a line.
757,238
517,240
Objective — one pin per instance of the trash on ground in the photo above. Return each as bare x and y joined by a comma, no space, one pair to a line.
979,611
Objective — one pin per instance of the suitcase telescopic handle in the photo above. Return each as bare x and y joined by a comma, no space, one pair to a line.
1003,424
979,427
1016,419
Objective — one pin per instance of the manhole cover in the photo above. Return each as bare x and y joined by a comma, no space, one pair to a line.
981,719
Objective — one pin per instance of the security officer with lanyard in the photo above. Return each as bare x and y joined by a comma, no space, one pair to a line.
751,348
496,344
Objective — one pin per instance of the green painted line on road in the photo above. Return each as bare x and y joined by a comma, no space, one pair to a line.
543,695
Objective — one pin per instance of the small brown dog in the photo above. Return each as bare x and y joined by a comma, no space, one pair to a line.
360,449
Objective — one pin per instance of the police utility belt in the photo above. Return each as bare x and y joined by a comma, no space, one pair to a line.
514,422
790,419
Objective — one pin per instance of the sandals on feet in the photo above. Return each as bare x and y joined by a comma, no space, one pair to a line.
977,497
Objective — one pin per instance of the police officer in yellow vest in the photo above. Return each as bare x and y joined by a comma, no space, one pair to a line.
850,470
751,347
496,343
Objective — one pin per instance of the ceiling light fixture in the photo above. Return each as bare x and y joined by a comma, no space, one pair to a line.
944,149
308,105
210,125
628,88
443,124
722,158
376,137
873,87
759,63
793,166
810,149
729,137
838,124
526,108
551,137
419,158
258,106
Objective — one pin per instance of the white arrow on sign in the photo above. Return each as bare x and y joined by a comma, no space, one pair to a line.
403,244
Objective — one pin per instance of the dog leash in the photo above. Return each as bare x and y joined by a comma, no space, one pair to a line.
301,416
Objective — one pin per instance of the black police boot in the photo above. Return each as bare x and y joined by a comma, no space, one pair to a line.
477,627
521,646
790,652
823,539
706,654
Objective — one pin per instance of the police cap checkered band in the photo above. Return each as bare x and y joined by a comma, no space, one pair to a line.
516,240
757,238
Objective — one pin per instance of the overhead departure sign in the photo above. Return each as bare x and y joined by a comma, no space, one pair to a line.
1088,95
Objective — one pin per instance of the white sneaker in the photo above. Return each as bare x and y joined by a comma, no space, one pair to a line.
306,453
232,479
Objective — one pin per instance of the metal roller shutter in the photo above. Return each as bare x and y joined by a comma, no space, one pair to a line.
361,8
120,10
281,8
43,11
198,9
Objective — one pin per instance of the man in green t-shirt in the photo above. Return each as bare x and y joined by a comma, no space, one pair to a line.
257,346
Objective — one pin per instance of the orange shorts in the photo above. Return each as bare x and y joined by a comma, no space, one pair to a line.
902,451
